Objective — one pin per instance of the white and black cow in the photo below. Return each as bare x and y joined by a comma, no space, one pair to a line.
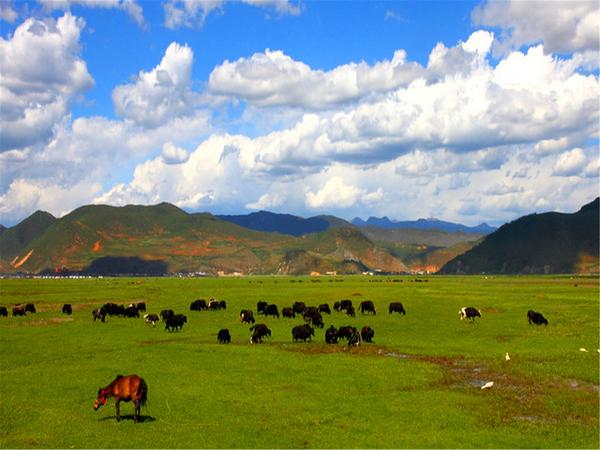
151,319
468,312
246,316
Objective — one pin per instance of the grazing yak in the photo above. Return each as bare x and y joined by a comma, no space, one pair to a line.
310,310
302,332
350,311
198,305
336,306
367,306
131,311
313,317
18,310
468,312
261,329
324,308
141,306
67,309
345,304
260,308
536,318
354,339
166,313
223,336
30,307
299,307
246,316
396,307
151,319
112,309
288,312
367,334
99,313
214,305
331,335
346,332
223,304
175,322
271,310
3,311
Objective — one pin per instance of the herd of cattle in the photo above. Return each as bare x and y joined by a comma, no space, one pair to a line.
312,316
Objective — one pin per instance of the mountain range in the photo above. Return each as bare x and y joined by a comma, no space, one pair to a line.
163,239
423,224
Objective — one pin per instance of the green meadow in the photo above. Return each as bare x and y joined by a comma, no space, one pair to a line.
417,385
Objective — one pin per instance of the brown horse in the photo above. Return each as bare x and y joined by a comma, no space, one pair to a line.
126,388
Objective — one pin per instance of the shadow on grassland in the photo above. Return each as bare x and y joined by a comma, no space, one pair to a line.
121,265
142,419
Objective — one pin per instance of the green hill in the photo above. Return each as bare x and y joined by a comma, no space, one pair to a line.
539,243
14,240
165,239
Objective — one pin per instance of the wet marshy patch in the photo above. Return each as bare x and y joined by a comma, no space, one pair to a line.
50,321
514,397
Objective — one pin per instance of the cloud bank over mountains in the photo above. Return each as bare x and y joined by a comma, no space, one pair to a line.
501,123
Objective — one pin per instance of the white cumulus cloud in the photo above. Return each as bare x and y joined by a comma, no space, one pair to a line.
25,196
160,94
172,154
562,26
272,78
40,73
337,194
267,201
570,163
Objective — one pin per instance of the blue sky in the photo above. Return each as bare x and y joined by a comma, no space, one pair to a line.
465,111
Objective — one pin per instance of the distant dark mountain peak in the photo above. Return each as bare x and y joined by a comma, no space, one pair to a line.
422,224
280,223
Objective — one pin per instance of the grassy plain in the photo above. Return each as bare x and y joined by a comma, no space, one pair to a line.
417,385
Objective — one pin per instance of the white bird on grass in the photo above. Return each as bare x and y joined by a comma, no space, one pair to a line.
487,385
507,357
583,350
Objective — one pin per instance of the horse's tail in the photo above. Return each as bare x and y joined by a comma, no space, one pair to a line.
142,392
